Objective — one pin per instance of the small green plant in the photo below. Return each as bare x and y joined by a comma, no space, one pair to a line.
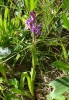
35,29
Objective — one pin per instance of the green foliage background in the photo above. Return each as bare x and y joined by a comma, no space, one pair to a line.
52,46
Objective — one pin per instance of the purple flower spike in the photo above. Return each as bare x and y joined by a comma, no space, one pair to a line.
29,21
33,28
31,24
38,30
33,15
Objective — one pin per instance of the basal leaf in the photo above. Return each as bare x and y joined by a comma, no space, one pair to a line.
22,80
33,74
30,84
27,94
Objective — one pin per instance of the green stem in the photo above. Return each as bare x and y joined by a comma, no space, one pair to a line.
33,72
34,39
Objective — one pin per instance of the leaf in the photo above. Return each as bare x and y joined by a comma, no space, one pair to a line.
66,4
13,82
49,97
31,4
18,91
1,79
11,97
68,98
33,74
0,20
36,1
15,60
61,65
22,80
27,2
5,17
64,52
3,71
61,97
15,90
27,94
65,21
60,86
30,85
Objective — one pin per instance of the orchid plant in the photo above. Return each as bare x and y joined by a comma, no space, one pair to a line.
35,30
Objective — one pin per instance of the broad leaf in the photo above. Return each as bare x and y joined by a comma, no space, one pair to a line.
61,65
61,97
68,98
60,86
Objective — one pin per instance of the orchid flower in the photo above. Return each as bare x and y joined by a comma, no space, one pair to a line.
31,24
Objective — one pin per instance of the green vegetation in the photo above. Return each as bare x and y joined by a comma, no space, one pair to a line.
34,50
